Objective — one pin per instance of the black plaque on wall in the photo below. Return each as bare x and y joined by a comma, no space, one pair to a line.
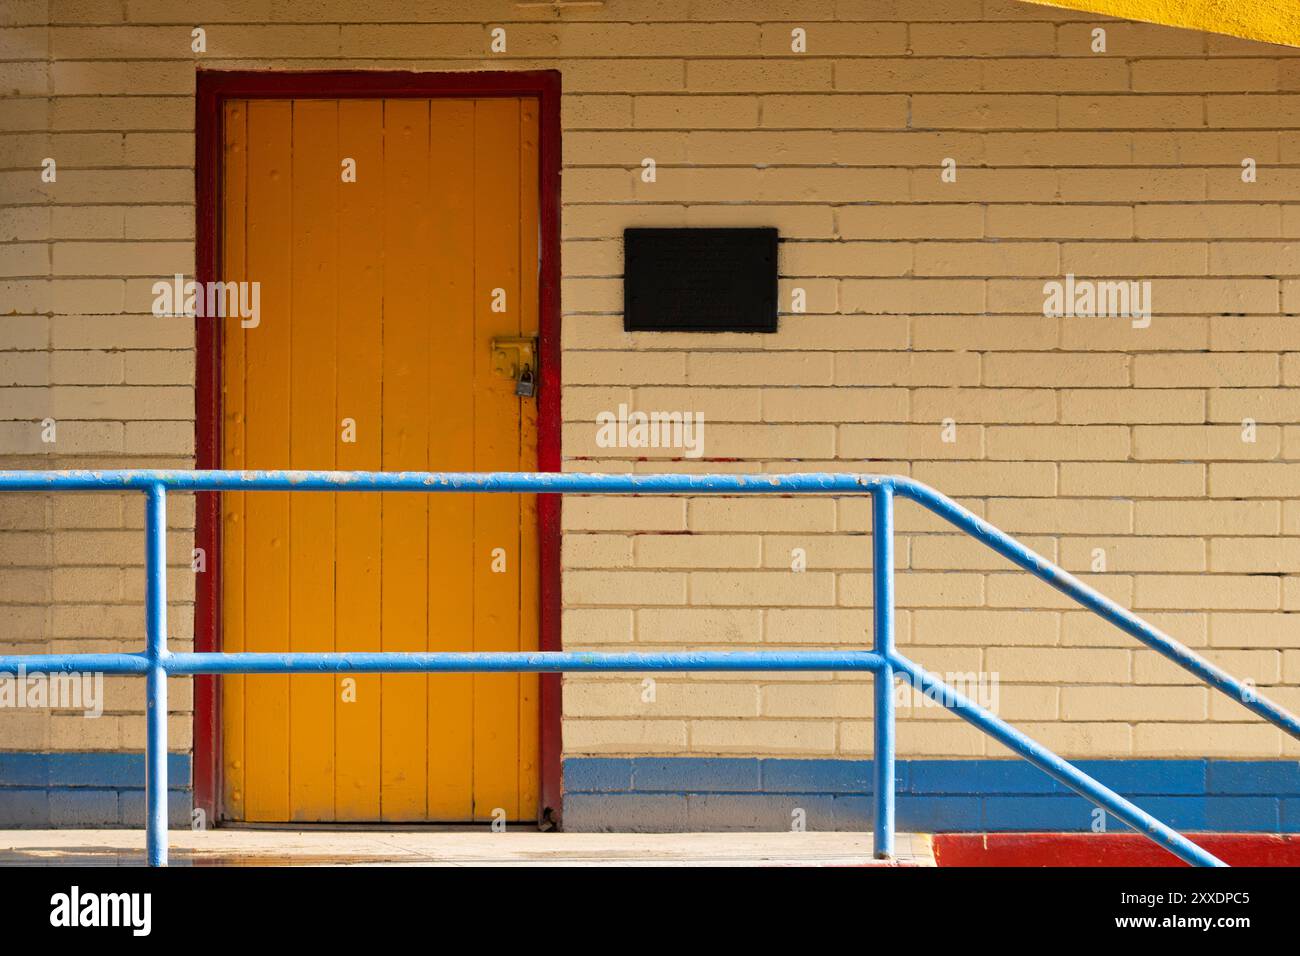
699,280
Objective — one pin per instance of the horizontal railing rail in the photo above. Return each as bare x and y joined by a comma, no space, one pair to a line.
156,662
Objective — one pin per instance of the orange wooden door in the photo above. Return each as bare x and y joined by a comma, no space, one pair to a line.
379,296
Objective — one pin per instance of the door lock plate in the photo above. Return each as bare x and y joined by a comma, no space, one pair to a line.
515,357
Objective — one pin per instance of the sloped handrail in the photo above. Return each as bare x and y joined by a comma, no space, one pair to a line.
1098,603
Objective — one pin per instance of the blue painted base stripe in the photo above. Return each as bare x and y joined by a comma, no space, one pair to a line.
85,790
712,793
934,796
116,770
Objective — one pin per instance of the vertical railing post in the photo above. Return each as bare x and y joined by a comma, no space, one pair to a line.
155,760
882,544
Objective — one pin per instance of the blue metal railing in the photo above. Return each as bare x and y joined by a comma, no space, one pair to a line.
883,660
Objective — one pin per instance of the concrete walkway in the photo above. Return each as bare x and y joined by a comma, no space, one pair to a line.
454,847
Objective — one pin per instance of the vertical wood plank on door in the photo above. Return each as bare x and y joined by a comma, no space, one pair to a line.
270,191
451,448
233,269
528,771
496,448
314,438
359,390
407,313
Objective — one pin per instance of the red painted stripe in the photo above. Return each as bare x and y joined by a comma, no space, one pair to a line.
207,427
1108,849
547,86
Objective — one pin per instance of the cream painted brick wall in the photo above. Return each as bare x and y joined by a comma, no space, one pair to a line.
1085,436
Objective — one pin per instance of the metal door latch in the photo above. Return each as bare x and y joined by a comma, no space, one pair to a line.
516,357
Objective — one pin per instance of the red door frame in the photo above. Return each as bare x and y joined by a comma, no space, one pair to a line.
213,89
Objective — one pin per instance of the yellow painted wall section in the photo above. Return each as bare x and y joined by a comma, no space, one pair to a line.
1272,21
